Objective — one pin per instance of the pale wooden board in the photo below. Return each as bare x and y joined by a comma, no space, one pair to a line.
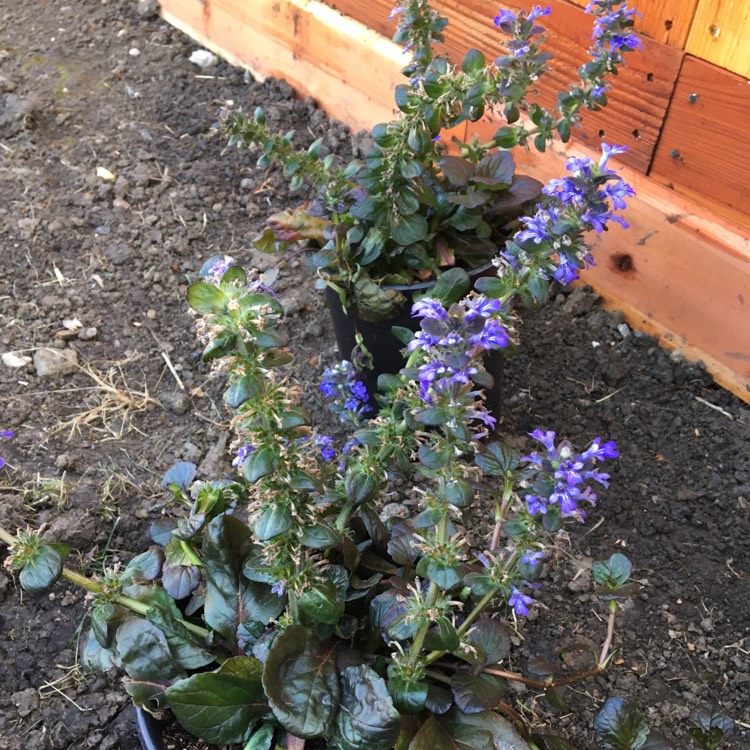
721,34
714,168
676,272
665,21
641,93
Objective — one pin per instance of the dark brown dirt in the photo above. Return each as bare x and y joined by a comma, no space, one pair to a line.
116,254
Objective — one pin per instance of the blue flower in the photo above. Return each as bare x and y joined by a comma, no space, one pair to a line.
428,307
218,269
242,454
532,557
346,394
505,17
6,435
326,446
519,601
278,588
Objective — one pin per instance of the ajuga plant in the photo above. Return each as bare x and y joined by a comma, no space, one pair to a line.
410,211
280,607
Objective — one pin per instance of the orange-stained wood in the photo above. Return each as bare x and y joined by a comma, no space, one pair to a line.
641,92
721,34
703,151
337,61
676,272
665,21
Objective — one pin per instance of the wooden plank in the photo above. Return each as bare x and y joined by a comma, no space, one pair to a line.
675,272
721,34
703,149
641,92
317,50
666,21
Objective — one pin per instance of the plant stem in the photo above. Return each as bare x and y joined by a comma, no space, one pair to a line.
190,553
432,595
344,515
97,588
610,634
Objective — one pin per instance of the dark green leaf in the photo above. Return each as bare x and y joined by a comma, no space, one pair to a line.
301,682
262,738
143,652
451,286
273,521
42,571
205,298
458,492
180,581
367,719
96,658
409,229
360,487
404,335
439,700
322,603
260,463
409,696
219,347
181,474
320,536
490,286
620,725
146,566
150,696
184,645
492,639
506,137
473,61
457,731
241,390
230,598
474,694
221,707
161,530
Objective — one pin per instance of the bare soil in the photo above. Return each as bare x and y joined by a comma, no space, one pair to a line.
115,191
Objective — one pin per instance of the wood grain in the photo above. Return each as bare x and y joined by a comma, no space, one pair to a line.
721,34
641,92
703,149
666,21
677,272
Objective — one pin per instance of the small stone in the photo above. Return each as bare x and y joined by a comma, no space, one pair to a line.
191,452
25,701
624,330
118,253
178,402
151,314
53,363
581,300
88,334
134,52
67,462
147,8
12,359
203,58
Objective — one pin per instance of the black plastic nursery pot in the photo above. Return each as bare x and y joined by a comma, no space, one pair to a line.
385,348
149,730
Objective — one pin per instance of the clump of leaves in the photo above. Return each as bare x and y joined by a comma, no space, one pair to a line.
411,210
620,725
710,726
